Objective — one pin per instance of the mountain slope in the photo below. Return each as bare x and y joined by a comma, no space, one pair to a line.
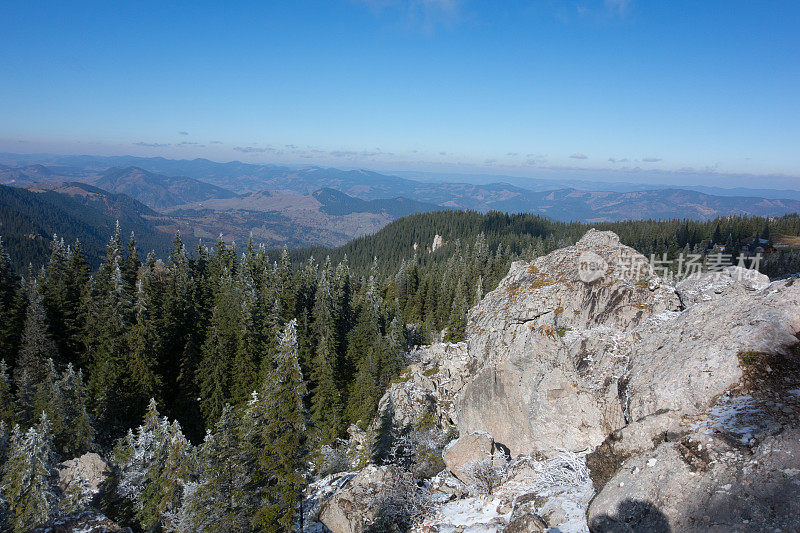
278,218
338,203
157,190
30,217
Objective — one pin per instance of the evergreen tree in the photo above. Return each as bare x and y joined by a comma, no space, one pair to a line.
11,316
72,430
141,380
165,477
6,401
131,265
222,344
364,351
36,349
151,468
107,342
326,405
54,292
184,323
29,477
4,436
74,310
218,502
280,460
248,346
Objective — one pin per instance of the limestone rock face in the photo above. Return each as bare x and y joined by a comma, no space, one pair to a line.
427,386
542,346
586,340
731,281
683,401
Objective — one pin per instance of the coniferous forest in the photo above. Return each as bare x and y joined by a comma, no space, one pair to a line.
212,377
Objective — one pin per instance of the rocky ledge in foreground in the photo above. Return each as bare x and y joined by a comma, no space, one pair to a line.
683,401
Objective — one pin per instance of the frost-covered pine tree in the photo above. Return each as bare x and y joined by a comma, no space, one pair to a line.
29,477
134,454
6,403
283,439
218,501
166,476
153,467
4,436
36,348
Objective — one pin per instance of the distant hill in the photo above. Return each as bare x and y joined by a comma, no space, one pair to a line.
594,206
338,203
157,190
29,218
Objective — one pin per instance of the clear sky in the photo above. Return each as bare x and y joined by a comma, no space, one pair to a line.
507,86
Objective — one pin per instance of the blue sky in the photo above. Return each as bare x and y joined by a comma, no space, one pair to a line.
514,87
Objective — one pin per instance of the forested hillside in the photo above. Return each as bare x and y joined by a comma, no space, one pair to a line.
241,364
76,211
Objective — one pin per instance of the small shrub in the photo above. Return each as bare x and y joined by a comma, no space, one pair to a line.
488,473
332,460
431,371
749,357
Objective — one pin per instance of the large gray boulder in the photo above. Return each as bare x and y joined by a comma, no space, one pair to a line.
563,354
354,506
90,467
705,484
689,361
467,450
543,345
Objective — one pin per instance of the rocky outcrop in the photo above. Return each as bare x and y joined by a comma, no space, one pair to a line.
731,281
352,508
683,401
543,346
428,386
90,468
578,350
582,342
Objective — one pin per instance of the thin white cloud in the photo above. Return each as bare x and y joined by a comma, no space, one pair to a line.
422,14
151,145
579,156
651,159
619,6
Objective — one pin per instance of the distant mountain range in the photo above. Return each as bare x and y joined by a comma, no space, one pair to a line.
247,177
279,205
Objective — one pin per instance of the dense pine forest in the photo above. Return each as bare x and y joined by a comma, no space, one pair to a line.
212,377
